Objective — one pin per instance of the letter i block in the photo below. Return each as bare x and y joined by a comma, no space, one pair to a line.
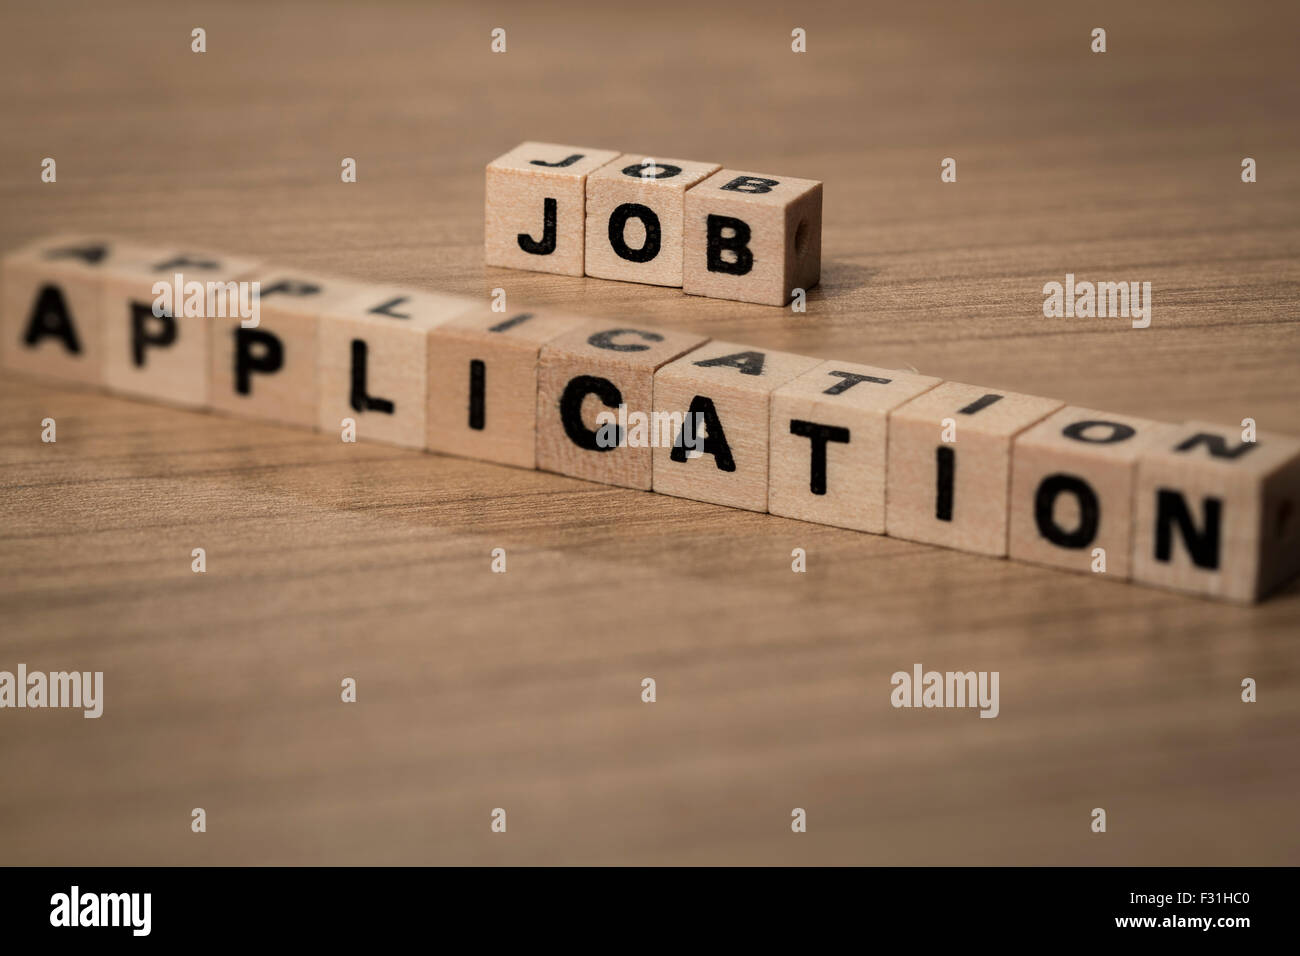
949,468
52,324
269,371
718,399
634,218
829,431
156,321
1216,515
536,201
483,383
373,361
595,395
752,238
1072,478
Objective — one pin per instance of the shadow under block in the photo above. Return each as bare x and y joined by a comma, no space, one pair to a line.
596,369
635,211
1218,516
372,361
1072,478
269,372
956,492
483,382
52,323
535,207
722,392
157,344
751,237
829,443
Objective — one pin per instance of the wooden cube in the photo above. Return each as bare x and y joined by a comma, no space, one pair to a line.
949,468
269,371
599,370
1072,479
51,323
483,383
634,218
752,237
536,201
829,443
1218,516
372,361
156,311
721,393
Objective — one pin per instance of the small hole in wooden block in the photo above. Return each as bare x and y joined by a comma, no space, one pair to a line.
801,239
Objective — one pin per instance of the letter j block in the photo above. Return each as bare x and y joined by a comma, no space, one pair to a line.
536,207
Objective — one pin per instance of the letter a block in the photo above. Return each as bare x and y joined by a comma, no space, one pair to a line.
949,470
536,201
596,369
829,431
752,238
721,394
634,218
1216,515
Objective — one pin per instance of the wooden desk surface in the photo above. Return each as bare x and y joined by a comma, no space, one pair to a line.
522,691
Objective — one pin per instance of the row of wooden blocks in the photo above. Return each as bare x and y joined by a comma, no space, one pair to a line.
1196,506
709,231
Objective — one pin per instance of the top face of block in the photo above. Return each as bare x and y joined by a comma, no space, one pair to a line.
552,159
758,189
1087,431
523,327
190,264
986,411
738,367
678,174
289,290
638,346
397,307
75,252
1220,448
860,387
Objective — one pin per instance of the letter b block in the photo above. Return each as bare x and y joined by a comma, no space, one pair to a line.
752,238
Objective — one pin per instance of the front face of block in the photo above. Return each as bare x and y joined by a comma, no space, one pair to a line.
156,321
535,207
269,371
1217,515
634,218
587,375
1072,489
483,383
717,399
828,443
949,468
52,324
751,237
371,361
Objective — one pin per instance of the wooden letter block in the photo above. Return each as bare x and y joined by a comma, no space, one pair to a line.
1216,515
483,383
718,401
156,311
949,468
269,371
591,374
536,197
51,324
829,443
373,361
752,237
1072,478
634,218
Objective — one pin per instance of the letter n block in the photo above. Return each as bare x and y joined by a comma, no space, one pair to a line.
949,469
721,394
1218,516
535,207
829,431
593,370
752,237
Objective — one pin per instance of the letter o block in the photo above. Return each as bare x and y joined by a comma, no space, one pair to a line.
752,237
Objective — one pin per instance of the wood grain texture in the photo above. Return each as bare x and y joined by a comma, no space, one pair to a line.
522,690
